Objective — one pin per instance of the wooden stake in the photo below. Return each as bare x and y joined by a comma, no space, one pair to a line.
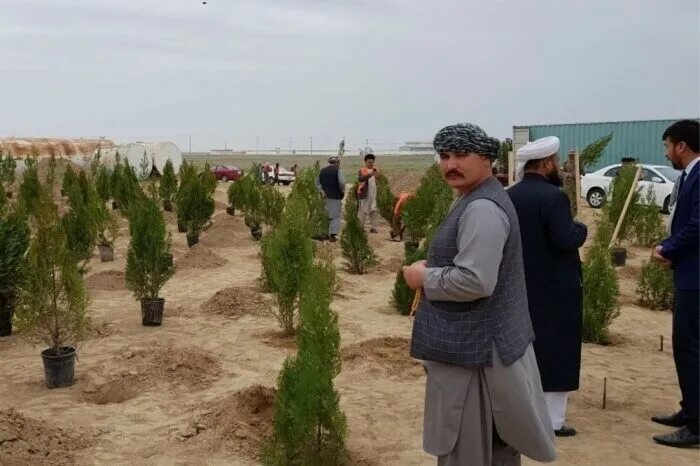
605,391
416,302
661,347
618,227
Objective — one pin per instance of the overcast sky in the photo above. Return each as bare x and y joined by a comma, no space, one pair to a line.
383,70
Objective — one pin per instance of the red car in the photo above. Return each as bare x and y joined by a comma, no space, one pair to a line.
226,172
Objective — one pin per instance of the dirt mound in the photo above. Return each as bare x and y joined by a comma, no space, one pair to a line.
200,257
389,265
391,353
241,422
28,441
101,329
238,301
109,280
116,391
226,232
278,339
188,366
629,272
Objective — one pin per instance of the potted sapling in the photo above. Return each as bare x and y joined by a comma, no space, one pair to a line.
168,186
196,207
148,266
107,235
14,241
53,300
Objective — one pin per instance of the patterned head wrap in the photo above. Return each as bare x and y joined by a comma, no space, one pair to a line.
466,137
334,159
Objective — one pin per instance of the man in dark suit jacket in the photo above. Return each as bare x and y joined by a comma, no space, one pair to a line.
680,251
551,239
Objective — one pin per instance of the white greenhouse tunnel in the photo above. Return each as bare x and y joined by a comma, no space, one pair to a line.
158,152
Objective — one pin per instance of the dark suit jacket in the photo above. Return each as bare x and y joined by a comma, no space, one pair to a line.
553,274
681,248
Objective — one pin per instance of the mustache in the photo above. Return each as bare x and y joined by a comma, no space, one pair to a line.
455,173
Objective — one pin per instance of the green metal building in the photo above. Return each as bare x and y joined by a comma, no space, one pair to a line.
638,139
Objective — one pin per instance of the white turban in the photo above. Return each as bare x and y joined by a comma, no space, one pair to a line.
535,150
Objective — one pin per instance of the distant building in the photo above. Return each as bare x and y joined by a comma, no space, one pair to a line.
425,147
637,139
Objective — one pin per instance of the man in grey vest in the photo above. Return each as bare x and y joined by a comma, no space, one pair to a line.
331,185
483,401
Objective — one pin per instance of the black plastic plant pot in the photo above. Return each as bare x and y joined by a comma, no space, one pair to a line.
6,321
231,210
152,312
114,205
106,253
181,227
192,240
59,366
167,206
256,232
169,259
619,257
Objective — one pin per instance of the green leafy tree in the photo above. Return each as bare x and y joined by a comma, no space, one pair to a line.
208,179
502,160
309,427
287,257
7,169
619,191
385,198
53,299
30,189
655,287
147,264
432,200
600,288
81,221
272,205
305,188
69,179
592,153
168,183
14,241
103,183
353,241
195,204
647,225
145,167
402,295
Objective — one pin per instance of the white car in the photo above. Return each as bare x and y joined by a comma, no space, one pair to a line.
595,187
285,176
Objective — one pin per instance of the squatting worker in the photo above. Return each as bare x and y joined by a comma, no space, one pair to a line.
367,193
331,185
551,239
483,400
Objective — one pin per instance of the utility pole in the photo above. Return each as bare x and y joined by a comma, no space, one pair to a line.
190,143
311,145
257,145
290,146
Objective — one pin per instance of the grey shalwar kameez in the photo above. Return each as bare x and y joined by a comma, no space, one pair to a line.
463,404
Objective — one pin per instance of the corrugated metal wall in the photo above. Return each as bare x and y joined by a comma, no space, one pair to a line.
639,139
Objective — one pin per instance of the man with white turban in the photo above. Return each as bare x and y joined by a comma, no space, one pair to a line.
483,398
551,239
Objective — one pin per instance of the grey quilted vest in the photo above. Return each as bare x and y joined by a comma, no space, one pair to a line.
461,333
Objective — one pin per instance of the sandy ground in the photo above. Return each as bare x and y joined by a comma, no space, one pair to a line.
200,389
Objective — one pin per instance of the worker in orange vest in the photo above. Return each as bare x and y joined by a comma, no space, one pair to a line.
396,223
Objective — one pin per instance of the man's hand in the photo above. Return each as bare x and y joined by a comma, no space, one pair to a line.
413,274
656,255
